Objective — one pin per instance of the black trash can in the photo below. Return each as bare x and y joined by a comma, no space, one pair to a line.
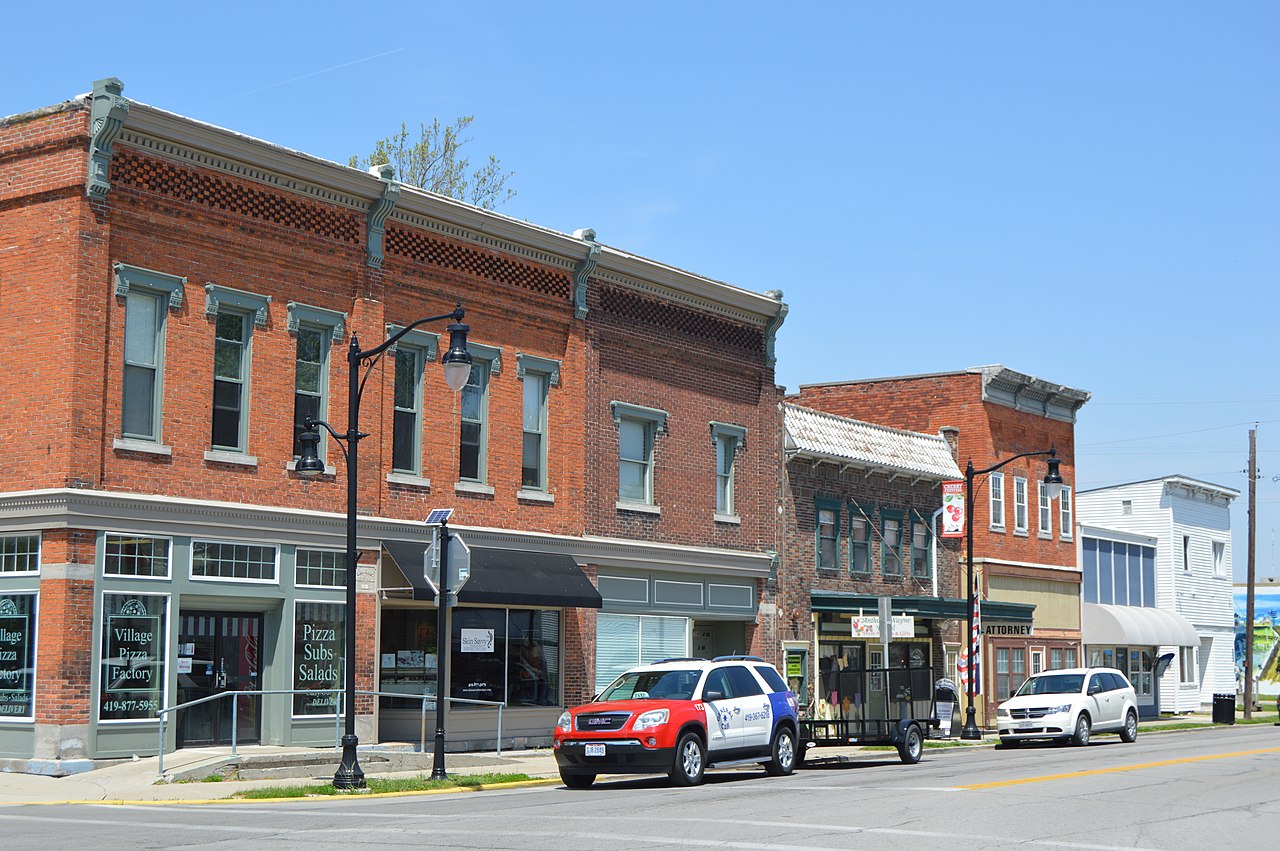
1224,709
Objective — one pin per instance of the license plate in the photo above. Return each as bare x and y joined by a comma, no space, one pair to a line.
594,750
1026,725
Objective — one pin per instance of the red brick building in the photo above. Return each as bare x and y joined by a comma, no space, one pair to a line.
179,297
862,505
1024,548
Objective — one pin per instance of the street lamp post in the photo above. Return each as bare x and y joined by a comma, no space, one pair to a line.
457,368
1053,485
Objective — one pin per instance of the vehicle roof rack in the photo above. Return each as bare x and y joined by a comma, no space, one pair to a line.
737,658
678,659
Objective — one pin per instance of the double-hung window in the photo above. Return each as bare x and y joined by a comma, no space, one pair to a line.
891,544
1066,525
995,490
727,440
828,535
473,449
230,381
638,428
406,439
859,541
234,314
410,354
148,297
537,375
1019,505
316,330
921,551
1046,510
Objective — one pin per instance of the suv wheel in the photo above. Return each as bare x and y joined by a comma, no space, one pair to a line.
1081,736
691,760
1129,733
577,781
784,753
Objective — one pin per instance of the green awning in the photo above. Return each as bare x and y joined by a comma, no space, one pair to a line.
933,608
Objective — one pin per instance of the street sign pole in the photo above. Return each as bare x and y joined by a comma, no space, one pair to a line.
442,649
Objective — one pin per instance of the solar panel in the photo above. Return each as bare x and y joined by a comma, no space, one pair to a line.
438,516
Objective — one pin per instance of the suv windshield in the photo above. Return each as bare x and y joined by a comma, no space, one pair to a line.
645,685
1053,684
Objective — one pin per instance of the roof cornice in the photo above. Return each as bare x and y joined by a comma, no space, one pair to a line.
179,137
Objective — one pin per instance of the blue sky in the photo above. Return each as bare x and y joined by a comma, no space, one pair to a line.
1087,192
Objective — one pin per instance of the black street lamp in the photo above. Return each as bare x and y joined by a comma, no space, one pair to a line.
1053,488
457,368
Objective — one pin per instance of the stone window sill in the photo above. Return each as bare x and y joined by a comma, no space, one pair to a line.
638,507
238,458
408,479
731,519
536,496
144,446
473,488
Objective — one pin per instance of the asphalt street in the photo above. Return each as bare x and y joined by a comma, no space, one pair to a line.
1190,790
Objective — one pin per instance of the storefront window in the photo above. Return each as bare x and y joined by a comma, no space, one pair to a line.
624,641
510,655
533,658
133,632
476,655
17,654
319,636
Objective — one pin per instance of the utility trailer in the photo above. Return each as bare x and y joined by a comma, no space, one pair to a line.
875,706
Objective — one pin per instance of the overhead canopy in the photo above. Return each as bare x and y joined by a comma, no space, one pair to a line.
1146,627
505,577
935,608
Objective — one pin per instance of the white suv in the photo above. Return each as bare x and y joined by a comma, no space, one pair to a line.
1070,705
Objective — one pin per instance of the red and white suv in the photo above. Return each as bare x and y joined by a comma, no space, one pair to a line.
680,717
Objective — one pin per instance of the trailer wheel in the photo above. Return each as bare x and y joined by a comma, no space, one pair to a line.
912,746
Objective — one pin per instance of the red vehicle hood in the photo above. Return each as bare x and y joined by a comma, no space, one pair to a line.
635,707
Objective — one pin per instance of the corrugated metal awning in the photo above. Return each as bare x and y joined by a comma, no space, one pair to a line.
1140,625
934,608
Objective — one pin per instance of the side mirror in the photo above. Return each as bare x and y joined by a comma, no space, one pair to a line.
711,695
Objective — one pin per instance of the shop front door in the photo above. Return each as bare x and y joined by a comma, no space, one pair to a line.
218,652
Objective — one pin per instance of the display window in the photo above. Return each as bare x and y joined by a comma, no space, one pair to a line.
131,685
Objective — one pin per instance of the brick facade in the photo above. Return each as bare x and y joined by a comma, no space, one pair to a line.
213,208
992,428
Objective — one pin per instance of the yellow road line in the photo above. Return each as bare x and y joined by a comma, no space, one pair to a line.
1119,768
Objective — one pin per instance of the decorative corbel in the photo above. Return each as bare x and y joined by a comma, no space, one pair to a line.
583,270
107,116
771,328
378,212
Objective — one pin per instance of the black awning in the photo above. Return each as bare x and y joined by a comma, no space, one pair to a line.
934,608
505,577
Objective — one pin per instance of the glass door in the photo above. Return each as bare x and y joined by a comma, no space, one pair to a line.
218,652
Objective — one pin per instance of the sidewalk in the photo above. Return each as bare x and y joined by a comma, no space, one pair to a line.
186,771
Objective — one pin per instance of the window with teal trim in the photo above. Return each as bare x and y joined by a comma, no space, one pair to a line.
921,550
828,534
891,543
859,541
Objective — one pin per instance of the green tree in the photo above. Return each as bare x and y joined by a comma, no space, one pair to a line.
434,162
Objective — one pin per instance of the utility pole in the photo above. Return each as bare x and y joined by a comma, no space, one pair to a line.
1249,578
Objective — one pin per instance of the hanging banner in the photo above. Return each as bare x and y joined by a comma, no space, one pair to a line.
953,509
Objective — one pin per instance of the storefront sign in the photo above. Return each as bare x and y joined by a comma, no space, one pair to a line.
477,641
15,656
1008,629
133,631
868,626
319,634
953,509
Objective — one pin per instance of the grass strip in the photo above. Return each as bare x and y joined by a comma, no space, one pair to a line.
400,784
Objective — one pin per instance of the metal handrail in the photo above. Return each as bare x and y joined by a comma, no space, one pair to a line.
163,713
